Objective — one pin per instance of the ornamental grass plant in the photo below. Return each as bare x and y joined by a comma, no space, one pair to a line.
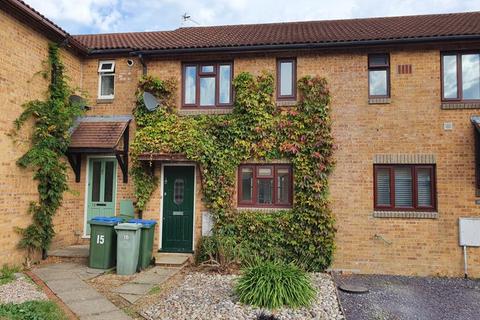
274,284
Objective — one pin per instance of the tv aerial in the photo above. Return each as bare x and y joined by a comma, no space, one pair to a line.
186,17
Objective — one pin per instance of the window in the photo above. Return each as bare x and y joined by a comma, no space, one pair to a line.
460,76
207,84
286,79
106,79
178,191
404,187
265,186
379,75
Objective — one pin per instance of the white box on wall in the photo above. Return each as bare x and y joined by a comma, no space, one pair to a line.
207,224
469,231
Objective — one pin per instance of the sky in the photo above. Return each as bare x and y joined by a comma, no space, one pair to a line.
105,16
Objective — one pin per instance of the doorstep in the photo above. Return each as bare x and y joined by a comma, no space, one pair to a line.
173,259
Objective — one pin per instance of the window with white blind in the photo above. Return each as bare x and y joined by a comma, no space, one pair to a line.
404,187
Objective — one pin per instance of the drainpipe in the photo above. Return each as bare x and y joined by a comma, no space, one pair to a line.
144,64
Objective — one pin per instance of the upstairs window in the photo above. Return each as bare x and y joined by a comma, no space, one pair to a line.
378,76
404,187
286,79
461,76
207,84
265,186
106,79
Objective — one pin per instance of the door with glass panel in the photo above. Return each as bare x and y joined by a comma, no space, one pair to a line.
102,185
178,206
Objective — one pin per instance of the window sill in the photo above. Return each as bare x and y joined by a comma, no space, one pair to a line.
406,214
193,112
262,209
460,105
286,103
104,100
379,101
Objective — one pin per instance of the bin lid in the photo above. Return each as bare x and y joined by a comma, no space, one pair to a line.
105,220
128,226
144,223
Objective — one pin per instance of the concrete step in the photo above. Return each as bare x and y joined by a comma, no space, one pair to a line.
173,259
77,251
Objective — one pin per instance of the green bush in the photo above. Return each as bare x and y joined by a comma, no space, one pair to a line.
7,273
221,251
32,310
270,284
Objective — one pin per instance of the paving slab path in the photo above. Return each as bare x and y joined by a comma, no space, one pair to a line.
144,282
67,281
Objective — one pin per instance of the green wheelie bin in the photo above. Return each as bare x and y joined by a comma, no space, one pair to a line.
103,242
128,245
146,242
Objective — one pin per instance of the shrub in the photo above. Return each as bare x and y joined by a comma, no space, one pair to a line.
32,310
7,273
273,284
220,251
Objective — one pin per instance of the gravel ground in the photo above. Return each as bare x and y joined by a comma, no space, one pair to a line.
19,291
210,296
396,297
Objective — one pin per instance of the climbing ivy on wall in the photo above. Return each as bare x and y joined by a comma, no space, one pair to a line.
52,120
256,129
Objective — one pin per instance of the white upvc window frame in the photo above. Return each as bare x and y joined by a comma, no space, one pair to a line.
106,72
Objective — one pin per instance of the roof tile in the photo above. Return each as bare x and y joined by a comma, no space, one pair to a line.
104,135
328,31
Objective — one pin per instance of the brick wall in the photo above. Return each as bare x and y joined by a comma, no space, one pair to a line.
409,126
22,53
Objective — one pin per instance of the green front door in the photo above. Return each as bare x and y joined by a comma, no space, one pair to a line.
178,206
102,185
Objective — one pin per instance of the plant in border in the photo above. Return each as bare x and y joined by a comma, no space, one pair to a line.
32,310
7,273
273,284
50,139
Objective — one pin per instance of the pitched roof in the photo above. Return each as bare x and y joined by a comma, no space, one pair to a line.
98,132
333,32
25,13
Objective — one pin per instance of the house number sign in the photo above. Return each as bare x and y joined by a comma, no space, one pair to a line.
100,239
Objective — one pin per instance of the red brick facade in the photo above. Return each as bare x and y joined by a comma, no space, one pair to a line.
407,128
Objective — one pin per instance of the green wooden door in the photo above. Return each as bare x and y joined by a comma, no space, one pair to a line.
178,206
102,185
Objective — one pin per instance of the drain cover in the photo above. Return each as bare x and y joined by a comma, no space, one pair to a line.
351,288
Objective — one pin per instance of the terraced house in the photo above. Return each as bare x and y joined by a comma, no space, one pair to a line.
405,106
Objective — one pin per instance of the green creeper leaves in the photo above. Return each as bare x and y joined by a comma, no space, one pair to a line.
256,129
50,139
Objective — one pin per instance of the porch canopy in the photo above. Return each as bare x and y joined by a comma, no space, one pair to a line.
159,157
99,135
163,157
